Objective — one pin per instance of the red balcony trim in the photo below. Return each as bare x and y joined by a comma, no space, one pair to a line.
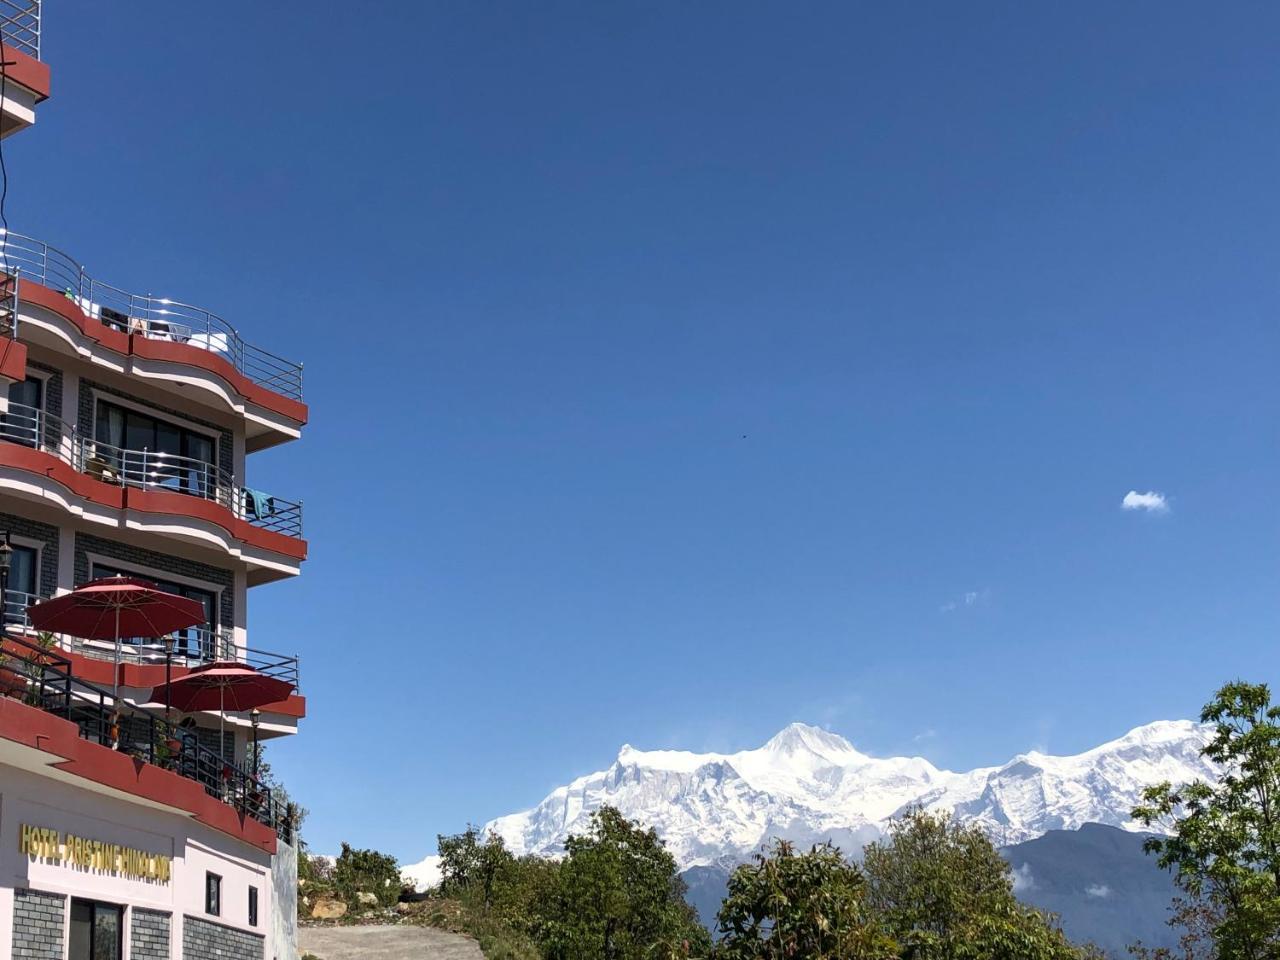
138,346
139,676
13,359
160,502
26,70
42,731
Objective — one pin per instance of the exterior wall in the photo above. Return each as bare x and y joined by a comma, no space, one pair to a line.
50,539
282,935
202,940
87,543
150,935
89,389
38,921
42,801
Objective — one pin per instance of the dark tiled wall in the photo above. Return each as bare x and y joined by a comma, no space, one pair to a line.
202,940
48,535
149,935
87,543
38,919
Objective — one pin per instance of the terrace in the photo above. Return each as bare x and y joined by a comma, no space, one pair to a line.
38,678
153,318
191,648
149,470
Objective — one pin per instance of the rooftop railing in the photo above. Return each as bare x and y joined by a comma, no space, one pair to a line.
40,678
149,469
156,318
20,25
191,648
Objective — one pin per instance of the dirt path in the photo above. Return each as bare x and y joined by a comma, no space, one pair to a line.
386,943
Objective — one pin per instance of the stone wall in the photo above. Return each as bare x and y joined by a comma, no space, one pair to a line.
38,921
149,936
202,940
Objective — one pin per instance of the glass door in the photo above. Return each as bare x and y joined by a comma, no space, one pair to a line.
96,931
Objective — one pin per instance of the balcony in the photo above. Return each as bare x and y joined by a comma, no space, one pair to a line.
191,648
41,679
20,26
156,320
149,470
26,78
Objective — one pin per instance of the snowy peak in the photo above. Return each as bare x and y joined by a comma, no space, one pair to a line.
808,785
800,738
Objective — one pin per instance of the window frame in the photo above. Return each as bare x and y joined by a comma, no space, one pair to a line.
94,906
253,905
212,893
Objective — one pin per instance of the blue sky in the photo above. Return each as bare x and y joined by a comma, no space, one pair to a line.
677,371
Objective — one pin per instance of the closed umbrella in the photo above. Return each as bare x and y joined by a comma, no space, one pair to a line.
113,608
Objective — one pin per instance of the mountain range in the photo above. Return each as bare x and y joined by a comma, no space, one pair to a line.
1062,821
809,785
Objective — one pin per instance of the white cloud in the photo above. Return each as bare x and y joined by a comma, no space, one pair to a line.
1151,501
1022,879
1098,890
970,598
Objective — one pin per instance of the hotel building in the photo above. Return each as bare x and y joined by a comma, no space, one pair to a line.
127,426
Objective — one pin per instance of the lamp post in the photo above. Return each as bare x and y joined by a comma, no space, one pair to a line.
255,717
168,676
6,561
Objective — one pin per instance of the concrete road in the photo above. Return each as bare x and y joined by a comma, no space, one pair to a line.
386,943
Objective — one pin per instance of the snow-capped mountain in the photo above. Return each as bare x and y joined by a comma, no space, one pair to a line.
808,785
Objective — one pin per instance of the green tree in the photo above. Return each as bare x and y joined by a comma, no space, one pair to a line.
468,865
1223,842
366,871
943,892
799,905
617,896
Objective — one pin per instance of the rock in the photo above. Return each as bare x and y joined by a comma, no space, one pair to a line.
367,899
326,909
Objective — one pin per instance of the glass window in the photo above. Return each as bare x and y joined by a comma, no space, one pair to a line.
212,894
96,931
22,583
253,906
178,458
194,641
22,423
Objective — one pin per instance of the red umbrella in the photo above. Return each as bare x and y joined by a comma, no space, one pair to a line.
222,686
116,607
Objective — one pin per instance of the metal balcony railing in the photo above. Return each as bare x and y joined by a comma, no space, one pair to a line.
191,648
148,469
157,318
42,679
20,25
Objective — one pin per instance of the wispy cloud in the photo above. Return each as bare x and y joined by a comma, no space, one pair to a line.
970,598
1022,879
924,735
1149,502
1099,890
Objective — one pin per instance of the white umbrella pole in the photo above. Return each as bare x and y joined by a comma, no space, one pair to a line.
115,677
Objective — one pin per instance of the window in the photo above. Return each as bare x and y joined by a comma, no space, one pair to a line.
178,458
22,423
213,894
22,583
253,906
194,641
96,931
